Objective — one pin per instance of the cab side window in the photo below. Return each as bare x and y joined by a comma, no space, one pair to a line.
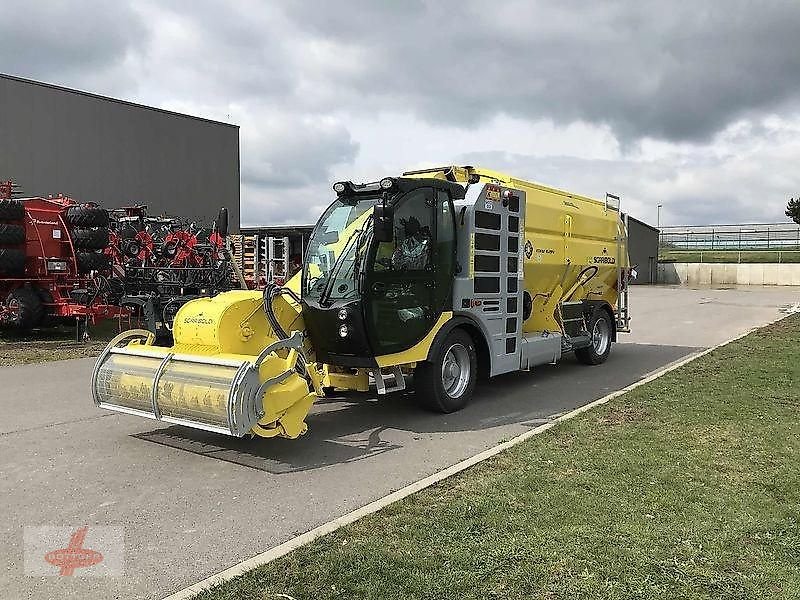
412,246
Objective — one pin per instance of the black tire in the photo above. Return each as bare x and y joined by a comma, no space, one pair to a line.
448,392
131,248
12,261
28,310
12,235
85,215
601,329
91,261
90,239
12,210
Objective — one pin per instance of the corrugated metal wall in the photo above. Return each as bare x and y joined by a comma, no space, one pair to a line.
54,140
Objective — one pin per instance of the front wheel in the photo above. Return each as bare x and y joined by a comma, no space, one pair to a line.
600,333
445,382
25,309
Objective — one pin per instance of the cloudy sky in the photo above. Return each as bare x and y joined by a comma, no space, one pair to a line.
692,105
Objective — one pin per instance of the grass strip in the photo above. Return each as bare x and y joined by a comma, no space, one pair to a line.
56,343
687,487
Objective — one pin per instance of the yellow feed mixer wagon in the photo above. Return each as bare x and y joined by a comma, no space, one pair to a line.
434,277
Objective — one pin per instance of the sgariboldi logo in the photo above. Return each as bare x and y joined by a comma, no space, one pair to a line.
74,556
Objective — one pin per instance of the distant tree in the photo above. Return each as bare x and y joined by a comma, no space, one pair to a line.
793,209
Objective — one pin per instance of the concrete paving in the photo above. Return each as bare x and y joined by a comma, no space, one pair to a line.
193,503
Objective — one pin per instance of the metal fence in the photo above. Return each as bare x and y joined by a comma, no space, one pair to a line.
752,242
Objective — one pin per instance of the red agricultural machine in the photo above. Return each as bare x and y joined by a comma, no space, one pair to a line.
164,262
53,268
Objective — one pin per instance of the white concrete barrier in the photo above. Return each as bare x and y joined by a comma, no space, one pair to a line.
701,274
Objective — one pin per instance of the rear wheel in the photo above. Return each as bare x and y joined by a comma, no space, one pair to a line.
12,261
91,239
85,215
12,235
446,382
26,309
91,261
600,333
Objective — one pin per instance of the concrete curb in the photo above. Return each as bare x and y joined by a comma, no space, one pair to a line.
331,526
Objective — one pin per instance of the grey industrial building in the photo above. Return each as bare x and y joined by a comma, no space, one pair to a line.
115,153
643,250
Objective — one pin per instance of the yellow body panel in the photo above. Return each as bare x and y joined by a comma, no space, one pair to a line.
418,352
335,378
565,234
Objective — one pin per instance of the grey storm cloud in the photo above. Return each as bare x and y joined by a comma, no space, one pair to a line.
704,190
671,70
667,70
68,41
302,156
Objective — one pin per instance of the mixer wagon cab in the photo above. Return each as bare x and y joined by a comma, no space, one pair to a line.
434,277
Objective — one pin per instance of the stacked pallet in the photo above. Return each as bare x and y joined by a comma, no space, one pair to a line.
246,255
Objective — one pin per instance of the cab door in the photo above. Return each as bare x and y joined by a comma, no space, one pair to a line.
400,299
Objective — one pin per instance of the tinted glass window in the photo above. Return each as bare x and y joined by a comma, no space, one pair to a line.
412,246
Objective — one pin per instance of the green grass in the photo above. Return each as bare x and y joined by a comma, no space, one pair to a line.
729,256
56,343
687,487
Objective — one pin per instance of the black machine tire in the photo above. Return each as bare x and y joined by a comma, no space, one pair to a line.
445,382
12,261
91,239
131,248
12,235
29,311
91,261
85,215
12,210
601,333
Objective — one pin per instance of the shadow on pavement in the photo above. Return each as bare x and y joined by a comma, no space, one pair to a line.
350,428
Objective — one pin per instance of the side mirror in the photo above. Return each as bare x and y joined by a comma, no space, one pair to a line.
222,222
383,223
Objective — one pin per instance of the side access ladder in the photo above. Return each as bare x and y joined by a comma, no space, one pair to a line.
623,316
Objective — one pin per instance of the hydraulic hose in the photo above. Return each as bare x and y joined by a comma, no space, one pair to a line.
271,292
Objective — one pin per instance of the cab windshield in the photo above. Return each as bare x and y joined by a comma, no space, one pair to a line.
335,250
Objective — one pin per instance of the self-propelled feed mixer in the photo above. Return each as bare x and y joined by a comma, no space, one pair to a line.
434,277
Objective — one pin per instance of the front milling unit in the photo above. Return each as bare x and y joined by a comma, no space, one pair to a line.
436,276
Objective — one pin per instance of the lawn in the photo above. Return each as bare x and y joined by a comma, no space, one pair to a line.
687,487
56,343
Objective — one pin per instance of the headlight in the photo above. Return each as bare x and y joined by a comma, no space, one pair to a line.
343,331
342,314
338,187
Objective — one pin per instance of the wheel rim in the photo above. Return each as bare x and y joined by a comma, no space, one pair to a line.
15,310
601,336
456,370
